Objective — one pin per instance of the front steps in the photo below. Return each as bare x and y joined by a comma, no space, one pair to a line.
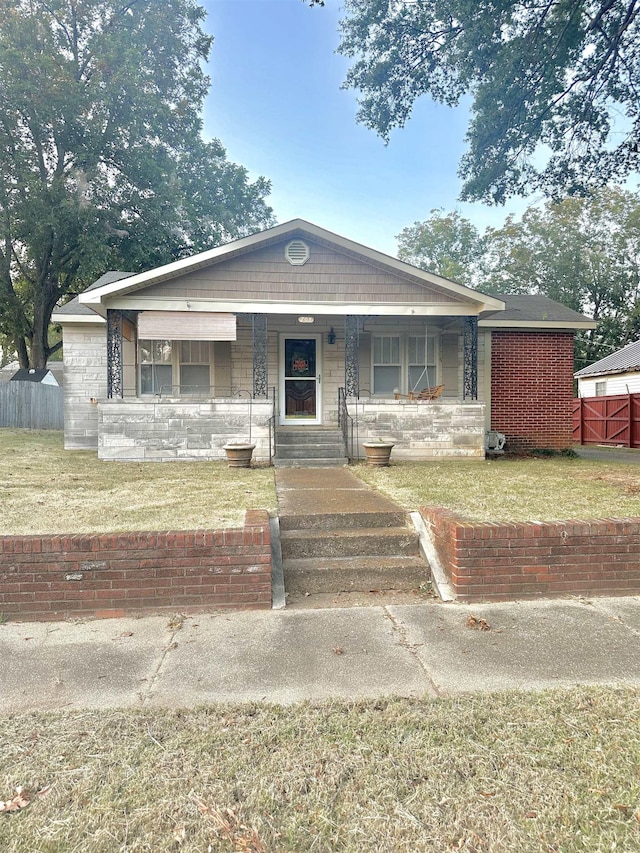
317,447
342,536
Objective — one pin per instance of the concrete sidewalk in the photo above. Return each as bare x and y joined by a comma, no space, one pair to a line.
292,655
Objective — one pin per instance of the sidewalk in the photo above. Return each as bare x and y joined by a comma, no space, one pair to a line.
292,655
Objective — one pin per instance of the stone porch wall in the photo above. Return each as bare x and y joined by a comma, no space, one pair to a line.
113,574
494,562
421,430
136,430
85,381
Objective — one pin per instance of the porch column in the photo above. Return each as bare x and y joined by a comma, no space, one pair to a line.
260,355
114,353
352,328
470,344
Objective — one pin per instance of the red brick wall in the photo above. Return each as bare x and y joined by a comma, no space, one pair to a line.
532,388
59,577
508,561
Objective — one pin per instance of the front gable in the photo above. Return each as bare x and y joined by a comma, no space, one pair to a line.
254,274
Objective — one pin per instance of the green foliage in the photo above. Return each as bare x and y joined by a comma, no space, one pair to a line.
102,163
446,244
582,252
554,84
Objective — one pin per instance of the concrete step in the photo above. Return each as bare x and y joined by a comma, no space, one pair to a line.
349,574
344,520
299,437
307,462
310,451
373,541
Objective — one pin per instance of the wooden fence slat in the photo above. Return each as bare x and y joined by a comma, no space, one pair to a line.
29,405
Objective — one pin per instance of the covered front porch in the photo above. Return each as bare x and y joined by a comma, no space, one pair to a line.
183,398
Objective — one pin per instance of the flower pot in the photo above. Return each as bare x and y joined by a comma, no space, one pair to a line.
239,455
378,452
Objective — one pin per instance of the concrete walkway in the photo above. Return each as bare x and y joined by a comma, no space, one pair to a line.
291,655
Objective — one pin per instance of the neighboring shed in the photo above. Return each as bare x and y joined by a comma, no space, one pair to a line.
44,376
618,373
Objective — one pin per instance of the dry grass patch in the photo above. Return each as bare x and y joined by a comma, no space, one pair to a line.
45,489
553,771
540,489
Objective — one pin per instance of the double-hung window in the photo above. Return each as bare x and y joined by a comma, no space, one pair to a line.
155,367
421,363
403,363
387,364
194,367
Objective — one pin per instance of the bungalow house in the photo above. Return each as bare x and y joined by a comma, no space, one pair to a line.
295,330
618,373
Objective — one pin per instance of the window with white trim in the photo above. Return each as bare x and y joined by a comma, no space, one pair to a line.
405,363
195,367
166,366
156,370
421,371
386,363
601,389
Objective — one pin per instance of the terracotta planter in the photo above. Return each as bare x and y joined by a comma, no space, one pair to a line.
378,452
239,455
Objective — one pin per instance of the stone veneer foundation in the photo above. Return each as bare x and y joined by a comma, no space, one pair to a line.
113,574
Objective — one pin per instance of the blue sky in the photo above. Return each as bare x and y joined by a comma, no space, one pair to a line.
276,104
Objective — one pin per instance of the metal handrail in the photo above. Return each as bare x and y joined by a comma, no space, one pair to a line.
345,422
271,423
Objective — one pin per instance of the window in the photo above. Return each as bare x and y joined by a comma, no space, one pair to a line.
601,389
155,367
421,371
194,367
166,366
386,364
399,362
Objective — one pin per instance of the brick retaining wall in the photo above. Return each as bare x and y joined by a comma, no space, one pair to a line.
536,560
113,574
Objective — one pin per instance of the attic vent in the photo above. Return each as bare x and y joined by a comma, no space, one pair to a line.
296,252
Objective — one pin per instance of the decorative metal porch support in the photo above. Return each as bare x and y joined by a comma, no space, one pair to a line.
114,353
260,355
470,343
352,329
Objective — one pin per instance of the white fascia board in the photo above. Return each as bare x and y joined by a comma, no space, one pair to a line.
202,259
537,324
77,318
321,308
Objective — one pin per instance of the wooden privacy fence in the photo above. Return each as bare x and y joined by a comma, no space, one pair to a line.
28,405
607,420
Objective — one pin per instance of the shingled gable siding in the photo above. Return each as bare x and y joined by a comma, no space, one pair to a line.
113,574
532,388
494,562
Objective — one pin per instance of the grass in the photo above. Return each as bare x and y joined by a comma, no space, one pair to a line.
514,489
45,489
553,771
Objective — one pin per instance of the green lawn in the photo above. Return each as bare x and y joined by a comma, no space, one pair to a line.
45,489
552,771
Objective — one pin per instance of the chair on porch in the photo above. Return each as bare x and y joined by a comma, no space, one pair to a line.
429,393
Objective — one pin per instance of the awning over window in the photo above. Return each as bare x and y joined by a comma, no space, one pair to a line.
186,326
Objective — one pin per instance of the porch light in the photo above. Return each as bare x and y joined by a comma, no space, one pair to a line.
306,319
331,337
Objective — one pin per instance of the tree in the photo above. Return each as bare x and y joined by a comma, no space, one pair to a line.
102,163
446,244
555,84
582,252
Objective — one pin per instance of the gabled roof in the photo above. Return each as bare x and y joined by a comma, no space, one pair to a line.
624,360
534,311
105,290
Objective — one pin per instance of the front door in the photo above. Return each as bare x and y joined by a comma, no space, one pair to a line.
300,380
